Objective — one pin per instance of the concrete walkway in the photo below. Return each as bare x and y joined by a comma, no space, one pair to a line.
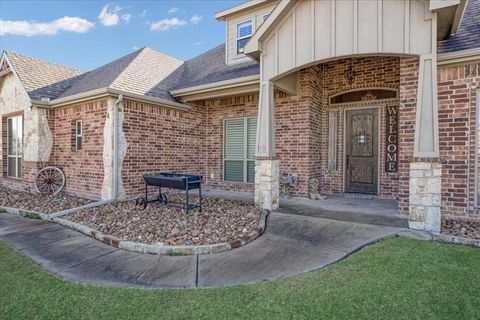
291,245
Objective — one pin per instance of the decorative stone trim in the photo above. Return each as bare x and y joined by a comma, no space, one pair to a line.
267,184
162,249
457,240
425,196
25,213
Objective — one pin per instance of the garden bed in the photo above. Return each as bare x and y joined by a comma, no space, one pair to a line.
458,228
36,202
221,221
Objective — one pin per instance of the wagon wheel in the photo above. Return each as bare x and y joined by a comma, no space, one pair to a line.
49,180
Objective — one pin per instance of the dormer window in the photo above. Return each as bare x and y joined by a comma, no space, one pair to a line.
244,33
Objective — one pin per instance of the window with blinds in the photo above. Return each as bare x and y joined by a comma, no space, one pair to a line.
244,33
14,147
239,150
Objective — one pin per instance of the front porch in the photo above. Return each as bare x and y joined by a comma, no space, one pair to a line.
343,207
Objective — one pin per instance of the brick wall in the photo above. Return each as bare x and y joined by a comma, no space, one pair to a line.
457,114
161,139
84,168
370,72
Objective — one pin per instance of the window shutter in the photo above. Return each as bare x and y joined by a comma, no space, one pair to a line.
251,147
234,150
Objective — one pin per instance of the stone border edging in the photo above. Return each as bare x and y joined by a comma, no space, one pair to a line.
161,249
457,240
142,247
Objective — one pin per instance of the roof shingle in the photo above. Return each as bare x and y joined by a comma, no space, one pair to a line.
468,35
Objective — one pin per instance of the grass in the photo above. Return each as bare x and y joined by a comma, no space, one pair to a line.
393,279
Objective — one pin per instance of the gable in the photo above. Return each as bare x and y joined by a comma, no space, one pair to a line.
312,31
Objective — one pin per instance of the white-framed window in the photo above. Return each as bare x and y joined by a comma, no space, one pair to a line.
78,135
14,147
239,150
244,33
265,17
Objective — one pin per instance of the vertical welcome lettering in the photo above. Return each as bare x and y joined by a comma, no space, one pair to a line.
391,161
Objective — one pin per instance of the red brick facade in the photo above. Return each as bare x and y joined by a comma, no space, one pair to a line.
162,139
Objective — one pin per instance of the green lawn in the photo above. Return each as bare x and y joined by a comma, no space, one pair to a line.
393,279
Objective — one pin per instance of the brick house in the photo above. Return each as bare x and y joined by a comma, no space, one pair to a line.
376,97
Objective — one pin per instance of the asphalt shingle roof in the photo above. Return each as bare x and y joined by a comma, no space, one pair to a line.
42,79
137,73
468,35
207,68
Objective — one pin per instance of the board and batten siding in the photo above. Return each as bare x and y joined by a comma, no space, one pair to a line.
231,24
313,32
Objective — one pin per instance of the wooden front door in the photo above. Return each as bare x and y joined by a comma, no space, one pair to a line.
361,151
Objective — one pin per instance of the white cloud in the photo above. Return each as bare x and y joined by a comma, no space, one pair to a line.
32,28
199,43
143,14
109,17
135,48
196,19
166,24
172,10
126,17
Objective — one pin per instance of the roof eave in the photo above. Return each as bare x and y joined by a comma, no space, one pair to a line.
106,92
232,83
222,15
459,56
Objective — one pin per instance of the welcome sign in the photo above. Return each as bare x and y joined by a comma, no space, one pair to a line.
391,164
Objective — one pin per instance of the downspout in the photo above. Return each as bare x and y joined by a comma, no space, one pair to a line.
116,151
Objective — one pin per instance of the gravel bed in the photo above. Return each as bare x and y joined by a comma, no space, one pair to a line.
39,202
461,228
220,221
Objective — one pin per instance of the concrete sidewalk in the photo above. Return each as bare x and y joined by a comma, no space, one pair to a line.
291,245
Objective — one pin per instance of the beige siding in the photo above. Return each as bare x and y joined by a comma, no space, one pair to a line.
231,34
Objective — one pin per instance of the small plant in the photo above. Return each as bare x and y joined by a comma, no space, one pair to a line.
32,215
3,211
173,253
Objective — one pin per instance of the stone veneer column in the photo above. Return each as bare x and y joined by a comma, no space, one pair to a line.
267,169
425,189
267,183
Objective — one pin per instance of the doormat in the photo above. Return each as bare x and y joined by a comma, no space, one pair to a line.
359,196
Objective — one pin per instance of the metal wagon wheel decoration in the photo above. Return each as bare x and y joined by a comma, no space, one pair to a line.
50,180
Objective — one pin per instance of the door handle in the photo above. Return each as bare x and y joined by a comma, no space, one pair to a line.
348,162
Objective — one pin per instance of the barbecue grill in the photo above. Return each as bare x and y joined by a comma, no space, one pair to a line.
176,181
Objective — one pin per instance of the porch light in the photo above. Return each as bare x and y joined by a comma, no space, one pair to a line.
350,74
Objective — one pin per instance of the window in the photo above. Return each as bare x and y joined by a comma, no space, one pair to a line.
332,141
78,135
239,150
244,33
14,147
265,17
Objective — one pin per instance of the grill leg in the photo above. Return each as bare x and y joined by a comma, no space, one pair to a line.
200,196
146,196
186,196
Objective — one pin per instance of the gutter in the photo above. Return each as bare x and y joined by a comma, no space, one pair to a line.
458,56
105,92
220,85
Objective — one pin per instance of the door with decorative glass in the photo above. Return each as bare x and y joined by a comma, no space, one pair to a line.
361,151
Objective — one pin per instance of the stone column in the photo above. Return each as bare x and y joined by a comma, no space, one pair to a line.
425,195
267,169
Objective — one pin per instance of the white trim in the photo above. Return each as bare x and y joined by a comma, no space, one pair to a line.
17,155
344,160
103,92
221,15
458,56
78,135
237,38
226,84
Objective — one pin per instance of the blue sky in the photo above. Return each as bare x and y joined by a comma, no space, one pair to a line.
88,34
